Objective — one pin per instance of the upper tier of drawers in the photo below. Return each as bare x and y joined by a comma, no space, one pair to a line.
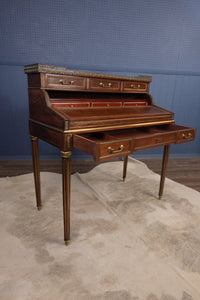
65,82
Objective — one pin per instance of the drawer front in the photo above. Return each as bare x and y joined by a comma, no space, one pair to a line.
106,104
65,82
115,149
102,146
72,105
135,103
102,84
133,86
185,135
154,141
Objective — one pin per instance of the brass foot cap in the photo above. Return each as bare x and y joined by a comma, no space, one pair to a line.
67,243
160,197
124,178
39,207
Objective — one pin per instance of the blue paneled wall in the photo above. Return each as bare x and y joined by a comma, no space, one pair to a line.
160,38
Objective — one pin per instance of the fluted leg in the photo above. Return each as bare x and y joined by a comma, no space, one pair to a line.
66,182
164,168
35,157
125,167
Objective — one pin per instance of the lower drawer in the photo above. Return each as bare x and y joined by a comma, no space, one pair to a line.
102,146
107,145
114,149
154,141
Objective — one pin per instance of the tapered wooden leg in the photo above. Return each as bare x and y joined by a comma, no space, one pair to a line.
164,168
125,167
35,157
66,182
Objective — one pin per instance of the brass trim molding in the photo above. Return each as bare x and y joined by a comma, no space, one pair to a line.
66,154
93,129
45,125
33,138
42,68
117,127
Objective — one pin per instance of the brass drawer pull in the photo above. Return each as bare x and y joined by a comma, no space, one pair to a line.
135,86
101,84
188,136
111,150
68,83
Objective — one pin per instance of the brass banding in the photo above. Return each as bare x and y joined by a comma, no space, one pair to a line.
66,154
102,127
33,138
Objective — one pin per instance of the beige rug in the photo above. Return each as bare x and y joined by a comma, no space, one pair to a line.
125,243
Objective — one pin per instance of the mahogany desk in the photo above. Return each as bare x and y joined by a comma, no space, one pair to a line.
106,116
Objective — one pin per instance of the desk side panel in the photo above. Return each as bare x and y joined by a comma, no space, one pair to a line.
40,110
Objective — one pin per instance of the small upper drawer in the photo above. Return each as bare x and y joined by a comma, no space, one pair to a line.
102,84
70,105
106,104
154,141
65,82
134,86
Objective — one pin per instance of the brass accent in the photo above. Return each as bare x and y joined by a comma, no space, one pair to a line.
43,68
124,119
101,84
68,83
134,86
184,136
48,126
67,243
93,129
111,150
39,208
66,154
33,138
88,129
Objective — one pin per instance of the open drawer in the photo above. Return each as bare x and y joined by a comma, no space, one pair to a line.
102,145
112,144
